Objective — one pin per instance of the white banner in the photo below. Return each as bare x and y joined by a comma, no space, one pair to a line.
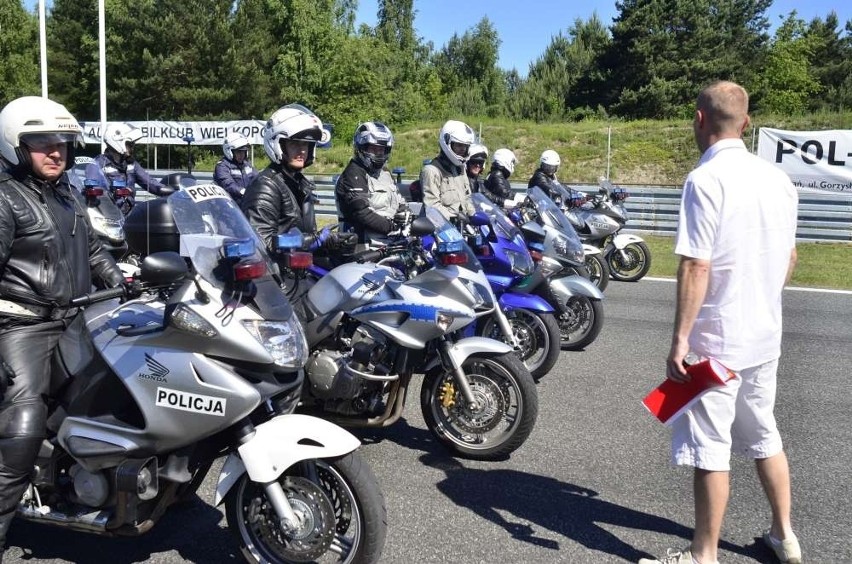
177,132
819,161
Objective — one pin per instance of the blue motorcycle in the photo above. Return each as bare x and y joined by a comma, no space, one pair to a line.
501,249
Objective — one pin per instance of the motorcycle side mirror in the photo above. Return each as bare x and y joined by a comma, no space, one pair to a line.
479,219
163,268
422,226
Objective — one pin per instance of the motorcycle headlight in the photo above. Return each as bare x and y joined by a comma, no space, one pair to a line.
549,266
283,340
110,228
186,319
521,263
564,248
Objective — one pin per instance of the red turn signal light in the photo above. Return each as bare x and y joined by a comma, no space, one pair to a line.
122,192
93,192
251,270
298,260
446,259
536,255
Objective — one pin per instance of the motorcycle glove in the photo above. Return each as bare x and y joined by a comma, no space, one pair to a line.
319,239
341,242
7,377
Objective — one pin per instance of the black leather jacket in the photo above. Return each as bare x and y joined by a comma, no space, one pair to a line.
543,181
49,253
497,187
278,200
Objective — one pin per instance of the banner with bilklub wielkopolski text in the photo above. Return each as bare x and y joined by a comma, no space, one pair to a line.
818,161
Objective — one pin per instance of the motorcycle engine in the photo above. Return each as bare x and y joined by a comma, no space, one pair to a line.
92,489
339,374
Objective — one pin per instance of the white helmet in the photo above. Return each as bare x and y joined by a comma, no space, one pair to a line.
550,161
505,159
372,133
455,132
295,122
477,152
234,142
34,115
119,135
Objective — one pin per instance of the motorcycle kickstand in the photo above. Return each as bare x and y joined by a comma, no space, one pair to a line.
461,378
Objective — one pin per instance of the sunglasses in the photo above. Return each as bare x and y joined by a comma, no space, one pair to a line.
42,142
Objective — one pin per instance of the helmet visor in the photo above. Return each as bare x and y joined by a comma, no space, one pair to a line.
44,141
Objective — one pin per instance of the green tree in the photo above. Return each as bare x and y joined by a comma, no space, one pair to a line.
830,61
662,51
19,54
72,56
467,67
786,83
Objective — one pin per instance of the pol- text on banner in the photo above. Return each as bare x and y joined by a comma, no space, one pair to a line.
818,161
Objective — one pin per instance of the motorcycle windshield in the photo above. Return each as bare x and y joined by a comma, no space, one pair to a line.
79,179
216,237
499,220
446,232
552,216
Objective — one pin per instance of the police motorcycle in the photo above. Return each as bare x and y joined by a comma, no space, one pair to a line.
561,277
508,264
603,217
104,215
569,200
150,391
371,326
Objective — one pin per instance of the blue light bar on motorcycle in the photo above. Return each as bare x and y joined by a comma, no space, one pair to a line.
291,240
238,249
450,246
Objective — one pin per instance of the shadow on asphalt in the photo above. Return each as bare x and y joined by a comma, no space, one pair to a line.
540,502
191,529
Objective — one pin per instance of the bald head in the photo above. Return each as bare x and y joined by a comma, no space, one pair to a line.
721,112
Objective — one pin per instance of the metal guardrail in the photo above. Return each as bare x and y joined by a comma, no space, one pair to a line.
654,209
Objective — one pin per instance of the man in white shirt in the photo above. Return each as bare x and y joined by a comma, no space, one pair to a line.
736,238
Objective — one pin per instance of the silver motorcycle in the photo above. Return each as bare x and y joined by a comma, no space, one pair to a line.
371,327
206,362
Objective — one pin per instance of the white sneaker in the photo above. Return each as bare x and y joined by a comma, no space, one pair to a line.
788,550
672,557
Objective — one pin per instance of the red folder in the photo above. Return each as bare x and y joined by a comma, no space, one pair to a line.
668,400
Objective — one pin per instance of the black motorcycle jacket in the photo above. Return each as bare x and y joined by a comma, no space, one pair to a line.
46,243
546,183
497,187
367,202
278,200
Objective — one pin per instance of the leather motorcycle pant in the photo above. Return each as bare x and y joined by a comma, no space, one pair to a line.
28,351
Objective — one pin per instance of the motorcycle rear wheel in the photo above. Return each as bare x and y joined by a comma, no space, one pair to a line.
634,267
537,334
341,507
504,418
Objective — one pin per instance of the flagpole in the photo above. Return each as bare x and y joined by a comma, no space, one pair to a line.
42,35
102,69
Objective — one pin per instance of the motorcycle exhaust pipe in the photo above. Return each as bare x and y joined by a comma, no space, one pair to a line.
93,522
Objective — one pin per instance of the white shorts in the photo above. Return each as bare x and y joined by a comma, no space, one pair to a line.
737,417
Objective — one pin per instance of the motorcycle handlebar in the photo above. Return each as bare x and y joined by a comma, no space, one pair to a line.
369,256
99,296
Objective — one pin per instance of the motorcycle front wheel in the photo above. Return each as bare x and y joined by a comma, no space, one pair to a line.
630,264
537,334
503,417
341,510
598,270
580,322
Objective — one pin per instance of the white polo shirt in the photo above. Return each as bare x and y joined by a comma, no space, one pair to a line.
739,212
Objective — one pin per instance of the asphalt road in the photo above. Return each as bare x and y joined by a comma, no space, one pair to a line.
592,484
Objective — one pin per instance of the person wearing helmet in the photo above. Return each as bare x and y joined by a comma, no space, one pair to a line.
443,181
475,165
118,164
545,175
497,187
49,254
281,197
233,172
367,197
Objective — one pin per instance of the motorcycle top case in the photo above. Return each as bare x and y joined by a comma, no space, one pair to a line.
150,228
